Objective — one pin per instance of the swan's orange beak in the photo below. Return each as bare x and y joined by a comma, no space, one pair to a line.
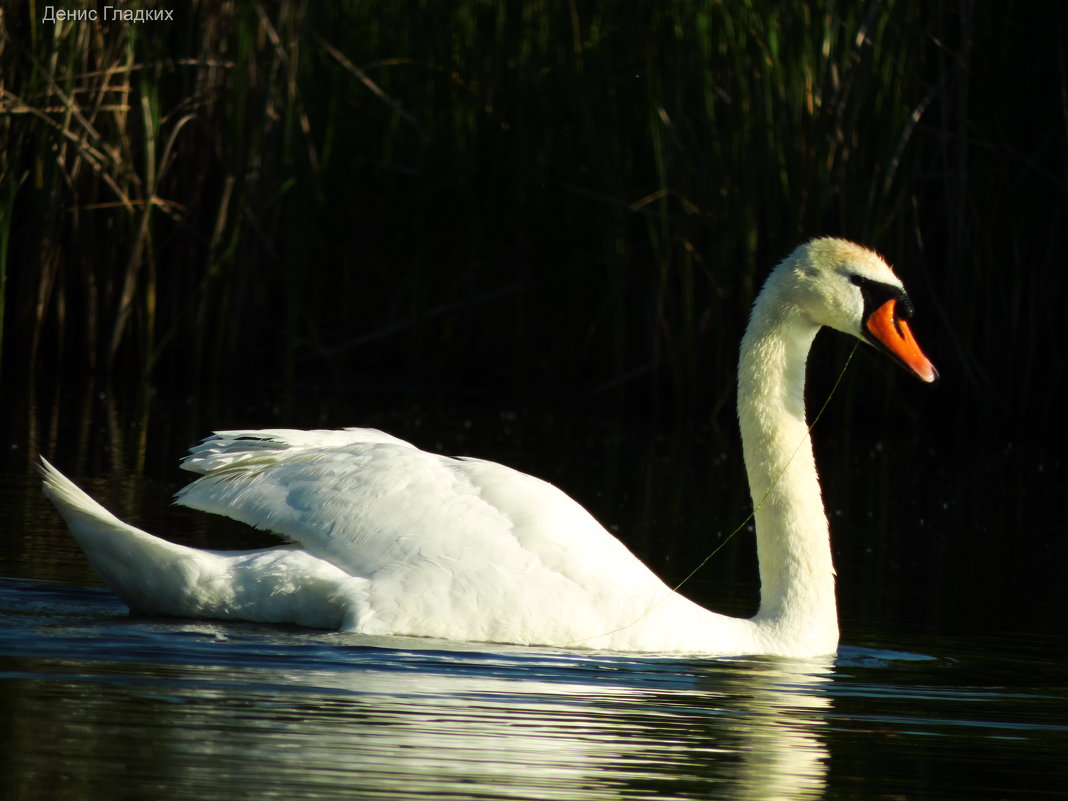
894,334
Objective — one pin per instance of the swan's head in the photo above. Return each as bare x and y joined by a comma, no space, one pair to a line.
851,289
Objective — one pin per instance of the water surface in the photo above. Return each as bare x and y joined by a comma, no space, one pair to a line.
98,704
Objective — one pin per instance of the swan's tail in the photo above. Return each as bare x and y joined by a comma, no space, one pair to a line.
278,585
136,565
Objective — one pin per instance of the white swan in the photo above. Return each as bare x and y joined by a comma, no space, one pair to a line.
389,539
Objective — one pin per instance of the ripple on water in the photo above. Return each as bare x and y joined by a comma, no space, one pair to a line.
191,709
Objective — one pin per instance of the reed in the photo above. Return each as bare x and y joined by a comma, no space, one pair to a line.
434,192
116,137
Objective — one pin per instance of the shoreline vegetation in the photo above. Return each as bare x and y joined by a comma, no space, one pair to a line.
571,196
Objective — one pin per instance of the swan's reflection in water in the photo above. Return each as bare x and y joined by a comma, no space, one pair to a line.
332,716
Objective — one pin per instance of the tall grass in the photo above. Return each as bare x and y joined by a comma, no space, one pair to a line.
533,194
132,170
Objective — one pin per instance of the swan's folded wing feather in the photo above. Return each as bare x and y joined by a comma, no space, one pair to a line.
373,505
226,447
456,548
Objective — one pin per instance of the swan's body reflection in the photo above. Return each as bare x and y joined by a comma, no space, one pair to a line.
338,715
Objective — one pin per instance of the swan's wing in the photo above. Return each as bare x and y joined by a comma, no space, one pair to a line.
377,507
226,447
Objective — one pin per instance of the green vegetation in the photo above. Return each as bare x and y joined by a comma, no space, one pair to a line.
561,194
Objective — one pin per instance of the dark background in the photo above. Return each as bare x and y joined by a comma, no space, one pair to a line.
533,231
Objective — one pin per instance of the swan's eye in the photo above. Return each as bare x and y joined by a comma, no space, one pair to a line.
904,307
876,293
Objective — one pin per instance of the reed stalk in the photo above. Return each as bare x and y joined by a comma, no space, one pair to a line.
306,186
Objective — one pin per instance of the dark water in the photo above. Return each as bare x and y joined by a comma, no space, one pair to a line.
929,696
100,705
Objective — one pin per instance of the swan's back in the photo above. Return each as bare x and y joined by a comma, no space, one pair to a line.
458,548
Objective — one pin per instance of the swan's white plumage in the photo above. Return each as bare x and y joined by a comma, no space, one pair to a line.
270,585
388,539
451,547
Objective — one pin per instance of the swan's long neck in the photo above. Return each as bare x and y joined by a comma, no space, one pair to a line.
793,544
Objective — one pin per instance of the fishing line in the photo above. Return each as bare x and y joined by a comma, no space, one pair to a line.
778,478
756,506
